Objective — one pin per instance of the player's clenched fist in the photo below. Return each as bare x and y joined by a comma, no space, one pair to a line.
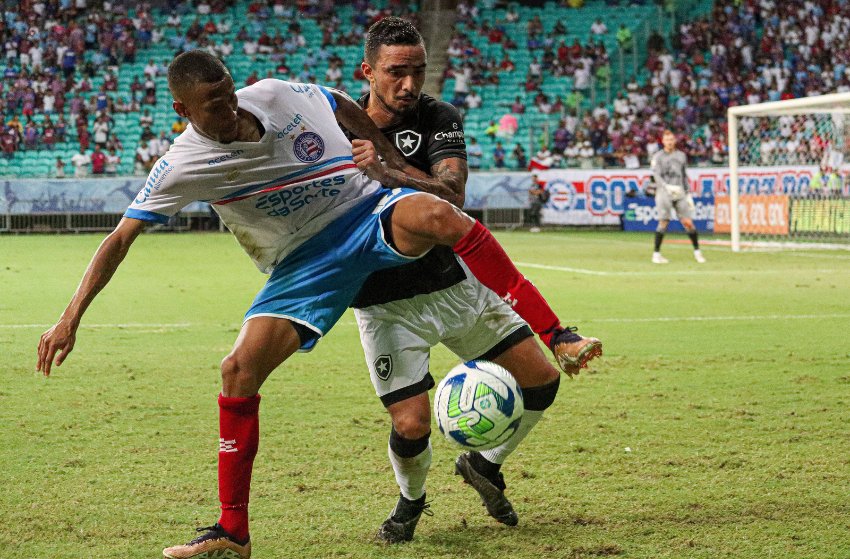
59,340
367,160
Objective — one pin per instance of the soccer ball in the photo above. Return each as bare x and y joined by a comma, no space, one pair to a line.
478,405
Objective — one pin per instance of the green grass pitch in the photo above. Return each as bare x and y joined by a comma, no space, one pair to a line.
717,424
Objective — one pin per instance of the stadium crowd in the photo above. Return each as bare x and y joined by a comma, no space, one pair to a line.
742,52
54,51
60,85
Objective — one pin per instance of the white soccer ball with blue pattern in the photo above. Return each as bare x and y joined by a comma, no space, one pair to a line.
478,405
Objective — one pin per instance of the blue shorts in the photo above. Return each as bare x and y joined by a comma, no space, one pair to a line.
315,283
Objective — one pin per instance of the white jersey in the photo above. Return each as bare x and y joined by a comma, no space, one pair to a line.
273,194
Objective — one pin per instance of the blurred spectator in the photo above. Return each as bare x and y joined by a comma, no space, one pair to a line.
178,126
598,28
159,146
146,119
151,69
144,159
537,198
59,168
474,153
586,155
519,156
80,161
625,39
517,107
48,134
112,162
508,126
499,156
101,130
8,144
83,137
31,136
542,160
98,161
473,100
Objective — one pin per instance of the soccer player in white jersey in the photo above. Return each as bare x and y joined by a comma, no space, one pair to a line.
274,164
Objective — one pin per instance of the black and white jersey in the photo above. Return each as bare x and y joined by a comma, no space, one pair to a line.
427,135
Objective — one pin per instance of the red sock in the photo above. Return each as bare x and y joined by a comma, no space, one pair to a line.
492,266
239,428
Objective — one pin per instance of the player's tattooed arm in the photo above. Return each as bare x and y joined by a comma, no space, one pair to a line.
59,340
447,180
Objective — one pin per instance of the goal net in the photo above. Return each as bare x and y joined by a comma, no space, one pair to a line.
789,173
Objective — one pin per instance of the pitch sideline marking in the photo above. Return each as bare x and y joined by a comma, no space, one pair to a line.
722,318
691,318
663,273
127,326
161,327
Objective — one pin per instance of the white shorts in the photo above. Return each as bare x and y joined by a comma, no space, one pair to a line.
397,337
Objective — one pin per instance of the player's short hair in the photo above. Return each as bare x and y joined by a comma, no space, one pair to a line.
193,67
668,131
390,31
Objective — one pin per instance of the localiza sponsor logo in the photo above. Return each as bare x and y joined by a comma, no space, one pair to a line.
155,178
222,158
292,198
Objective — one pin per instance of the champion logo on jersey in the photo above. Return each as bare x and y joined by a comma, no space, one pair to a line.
309,147
384,366
227,446
408,141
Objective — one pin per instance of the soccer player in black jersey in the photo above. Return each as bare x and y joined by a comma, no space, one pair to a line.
403,312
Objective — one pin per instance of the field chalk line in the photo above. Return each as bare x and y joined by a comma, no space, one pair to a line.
183,325
699,272
126,326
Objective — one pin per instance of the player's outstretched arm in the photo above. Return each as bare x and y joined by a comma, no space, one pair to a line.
59,341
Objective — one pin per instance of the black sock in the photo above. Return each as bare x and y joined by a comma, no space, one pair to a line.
483,466
420,501
659,236
539,398
694,239
408,448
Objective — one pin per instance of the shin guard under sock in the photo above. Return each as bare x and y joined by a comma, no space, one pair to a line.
488,261
239,428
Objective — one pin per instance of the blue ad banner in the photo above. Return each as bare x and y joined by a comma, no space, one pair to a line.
640,215
497,190
45,196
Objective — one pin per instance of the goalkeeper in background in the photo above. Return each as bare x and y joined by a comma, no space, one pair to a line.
671,180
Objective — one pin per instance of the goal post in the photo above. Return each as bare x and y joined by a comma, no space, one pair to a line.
806,138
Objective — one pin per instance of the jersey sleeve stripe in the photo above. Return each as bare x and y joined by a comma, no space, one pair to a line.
144,215
248,190
289,183
328,95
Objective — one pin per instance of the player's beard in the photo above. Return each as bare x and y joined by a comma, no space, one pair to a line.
398,111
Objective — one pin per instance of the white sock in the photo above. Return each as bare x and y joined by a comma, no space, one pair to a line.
410,473
499,454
